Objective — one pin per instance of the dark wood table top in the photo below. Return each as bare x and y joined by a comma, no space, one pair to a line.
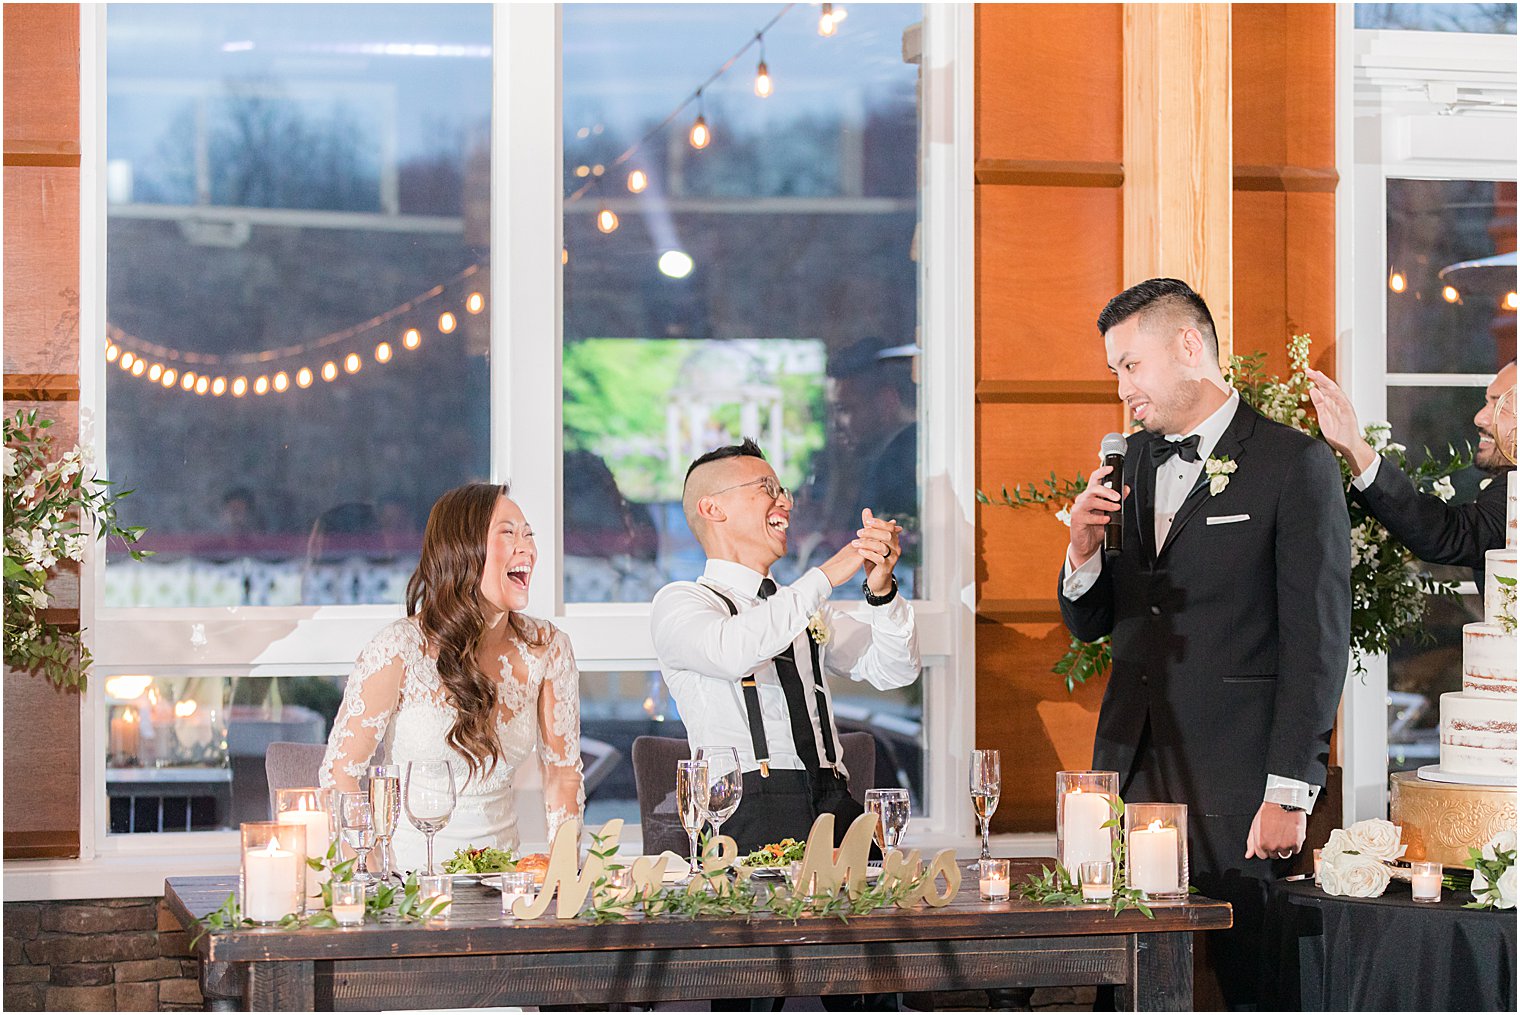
475,925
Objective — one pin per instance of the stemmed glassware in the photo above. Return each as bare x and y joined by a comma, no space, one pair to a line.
356,818
725,784
986,782
385,809
890,807
691,799
430,798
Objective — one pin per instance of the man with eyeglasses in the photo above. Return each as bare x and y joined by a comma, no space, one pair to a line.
745,659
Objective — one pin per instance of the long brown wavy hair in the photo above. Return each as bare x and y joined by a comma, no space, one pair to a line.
444,595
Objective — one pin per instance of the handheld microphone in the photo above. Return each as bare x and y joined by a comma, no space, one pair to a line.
1112,450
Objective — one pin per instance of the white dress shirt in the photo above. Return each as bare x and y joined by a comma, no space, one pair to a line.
1369,474
705,652
1175,479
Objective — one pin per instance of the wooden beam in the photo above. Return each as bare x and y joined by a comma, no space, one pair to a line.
1287,179
1047,392
42,153
1177,156
1019,611
42,387
1049,173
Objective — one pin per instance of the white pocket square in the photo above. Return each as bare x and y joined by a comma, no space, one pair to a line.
1226,519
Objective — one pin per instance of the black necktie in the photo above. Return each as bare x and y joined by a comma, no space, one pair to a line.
1163,449
796,696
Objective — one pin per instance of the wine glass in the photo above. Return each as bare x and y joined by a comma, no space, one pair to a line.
385,808
986,781
430,800
890,807
357,820
725,784
691,799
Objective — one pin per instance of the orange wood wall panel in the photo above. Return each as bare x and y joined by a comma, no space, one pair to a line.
1309,83
1048,258
42,73
1310,270
41,269
1258,48
1049,82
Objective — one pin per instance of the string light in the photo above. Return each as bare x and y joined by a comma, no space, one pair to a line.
201,384
281,382
762,73
218,387
170,376
187,382
261,386
383,352
138,366
126,361
1397,282
827,23
475,303
112,351
352,363
155,372
638,181
447,322
1449,294
303,377
1512,301
412,339
606,220
700,136
239,387
329,371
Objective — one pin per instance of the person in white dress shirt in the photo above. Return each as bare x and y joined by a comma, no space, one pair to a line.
467,678
746,660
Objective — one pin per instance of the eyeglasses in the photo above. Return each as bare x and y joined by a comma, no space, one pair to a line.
772,487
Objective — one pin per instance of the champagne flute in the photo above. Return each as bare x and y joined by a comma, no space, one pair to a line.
890,807
385,806
986,782
357,819
429,800
725,784
691,800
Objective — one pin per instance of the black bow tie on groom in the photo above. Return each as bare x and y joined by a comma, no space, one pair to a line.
1163,449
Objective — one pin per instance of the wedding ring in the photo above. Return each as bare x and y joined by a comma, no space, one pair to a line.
1284,854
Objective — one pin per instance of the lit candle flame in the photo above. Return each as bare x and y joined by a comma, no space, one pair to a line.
1154,826
184,709
273,847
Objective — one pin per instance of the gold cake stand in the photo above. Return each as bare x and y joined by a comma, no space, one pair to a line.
1441,820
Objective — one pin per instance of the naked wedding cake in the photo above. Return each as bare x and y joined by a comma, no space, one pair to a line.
1478,722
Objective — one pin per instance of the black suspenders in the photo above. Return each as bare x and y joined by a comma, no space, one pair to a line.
751,706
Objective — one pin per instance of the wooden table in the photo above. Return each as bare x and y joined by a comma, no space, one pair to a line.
477,958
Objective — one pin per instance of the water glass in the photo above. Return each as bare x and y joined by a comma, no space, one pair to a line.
725,784
890,808
430,799
356,821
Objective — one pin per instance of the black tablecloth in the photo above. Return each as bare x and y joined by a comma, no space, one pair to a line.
1388,953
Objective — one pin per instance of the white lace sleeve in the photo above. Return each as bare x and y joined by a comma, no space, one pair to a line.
559,735
369,701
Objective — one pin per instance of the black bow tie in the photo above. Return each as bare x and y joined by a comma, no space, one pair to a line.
1163,449
767,588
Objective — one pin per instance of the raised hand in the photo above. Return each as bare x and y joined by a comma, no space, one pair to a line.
1337,421
1091,511
879,546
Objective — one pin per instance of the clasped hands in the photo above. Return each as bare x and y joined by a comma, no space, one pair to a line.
876,545
1276,834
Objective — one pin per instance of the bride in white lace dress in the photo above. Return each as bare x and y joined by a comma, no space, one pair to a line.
466,678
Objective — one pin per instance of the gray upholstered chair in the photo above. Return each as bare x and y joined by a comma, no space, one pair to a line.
654,773
289,766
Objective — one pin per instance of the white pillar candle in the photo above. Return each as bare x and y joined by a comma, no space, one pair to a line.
1153,859
317,841
1083,836
271,883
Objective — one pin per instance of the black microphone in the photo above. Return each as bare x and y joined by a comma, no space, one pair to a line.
1113,448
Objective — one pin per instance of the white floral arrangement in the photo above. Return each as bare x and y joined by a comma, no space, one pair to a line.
1355,862
818,628
53,508
1493,881
1219,471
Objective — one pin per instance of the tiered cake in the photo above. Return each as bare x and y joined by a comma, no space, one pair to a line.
1478,722
1467,799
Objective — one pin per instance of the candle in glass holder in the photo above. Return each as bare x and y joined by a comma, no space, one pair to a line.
1082,809
516,886
1153,859
271,882
125,746
436,891
1425,881
309,807
1097,880
994,881
348,902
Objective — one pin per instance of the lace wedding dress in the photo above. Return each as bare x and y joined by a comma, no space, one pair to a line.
395,711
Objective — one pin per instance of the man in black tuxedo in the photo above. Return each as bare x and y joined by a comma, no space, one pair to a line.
1229,607
1436,531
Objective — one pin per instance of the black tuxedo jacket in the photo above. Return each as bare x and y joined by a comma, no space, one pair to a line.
1233,639
1438,532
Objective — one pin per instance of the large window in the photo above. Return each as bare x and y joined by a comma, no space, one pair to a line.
326,188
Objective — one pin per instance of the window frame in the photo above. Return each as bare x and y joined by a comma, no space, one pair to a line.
525,395
1380,68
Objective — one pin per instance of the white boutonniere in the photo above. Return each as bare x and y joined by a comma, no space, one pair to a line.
1218,470
817,629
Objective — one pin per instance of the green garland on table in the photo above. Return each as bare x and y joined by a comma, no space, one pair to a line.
1388,589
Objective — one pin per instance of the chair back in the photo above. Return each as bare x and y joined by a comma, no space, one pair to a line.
291,766
654,775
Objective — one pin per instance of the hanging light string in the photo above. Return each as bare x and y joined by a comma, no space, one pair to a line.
218,375
695,96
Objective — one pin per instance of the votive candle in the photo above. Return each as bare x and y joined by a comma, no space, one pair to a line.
994,881
1097,880
437,889
514,886
348,902
1425,881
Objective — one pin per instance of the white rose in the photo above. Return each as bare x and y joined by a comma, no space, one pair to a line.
1506,890
1503,842
10,462
1353,876
1339,843
1443,489
1377,838
1217,485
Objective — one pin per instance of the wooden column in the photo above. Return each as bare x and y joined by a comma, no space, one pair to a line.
42,373
1177,158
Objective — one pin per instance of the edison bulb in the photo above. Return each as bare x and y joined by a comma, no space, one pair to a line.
1449,293
1397,282
763,82
303,377
607,220
239,387
352,363
412,338
219,387
700,136
1512,301
475,303
383,352
202,385
826,23
170,376
281,382
112,351
187,382
155,372
329,371
638,181
447,322
261,386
